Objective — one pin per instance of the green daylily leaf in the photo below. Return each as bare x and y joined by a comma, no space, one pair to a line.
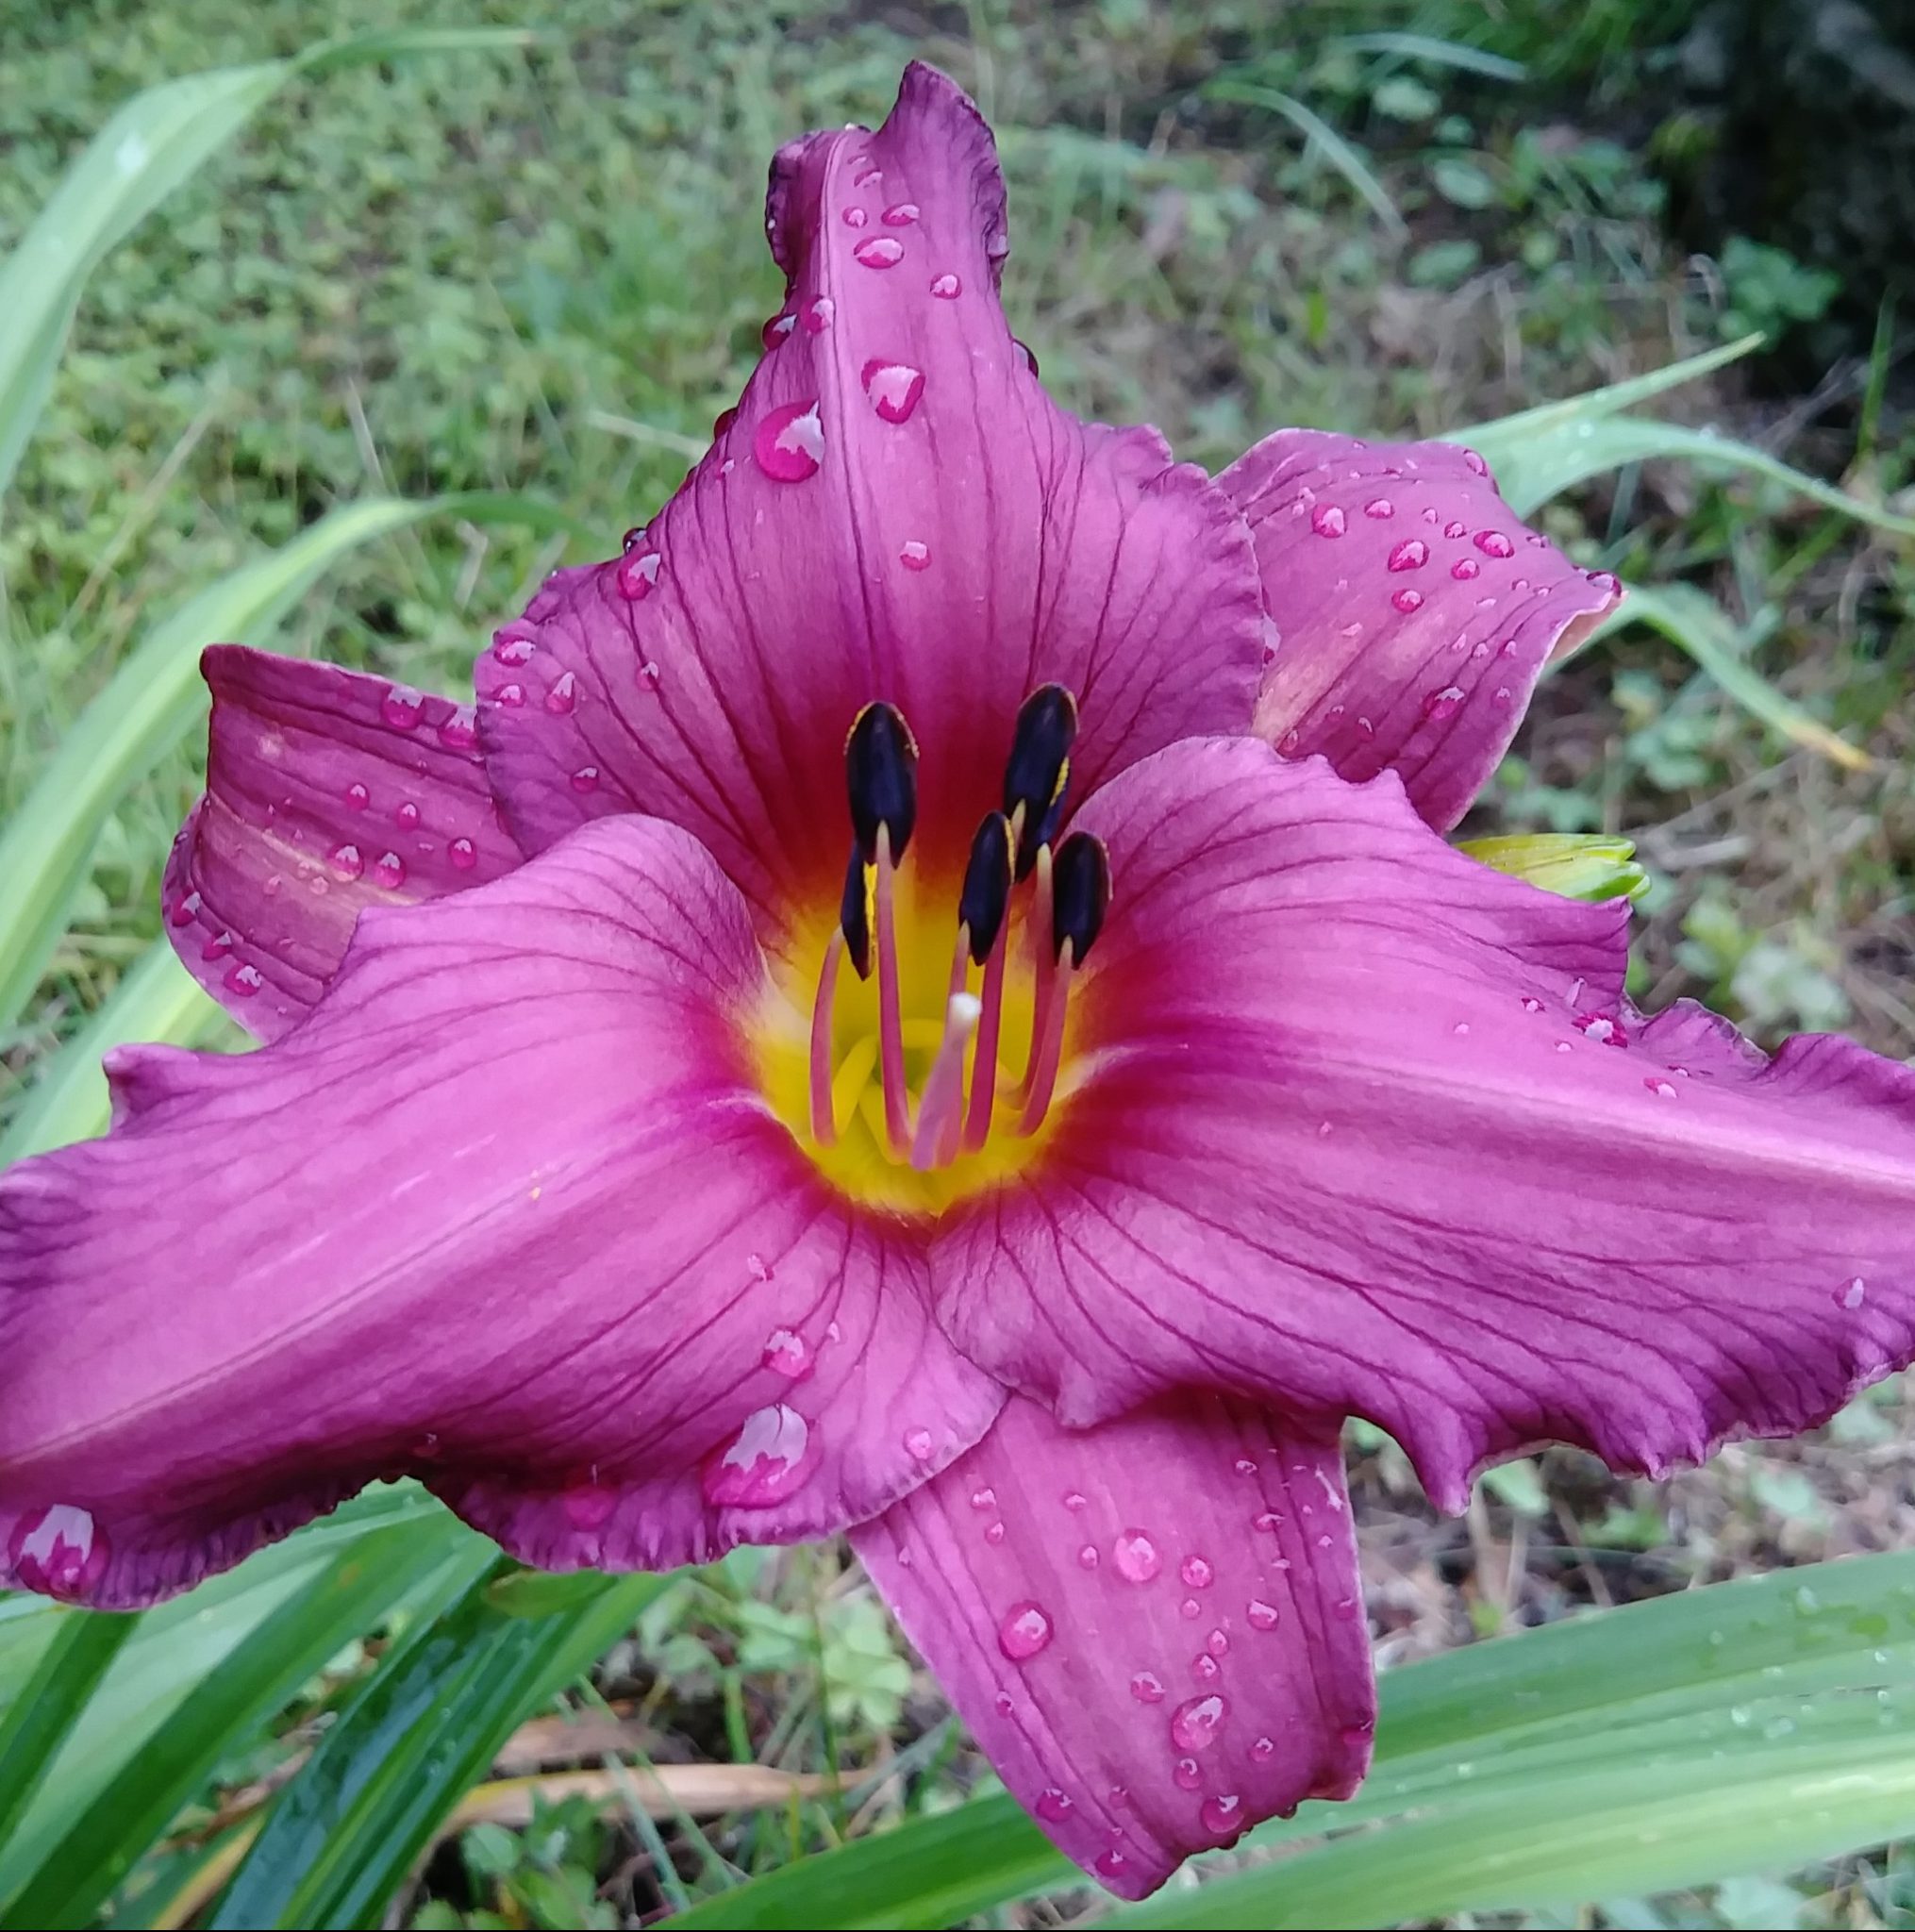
1572,865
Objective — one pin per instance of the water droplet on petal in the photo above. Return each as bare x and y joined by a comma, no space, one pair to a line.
1217,1643
1442,704
243,980
563,696
879,251
1263,1750
770,1455
1245,1465
995,1534
1054,1806
1455,529
388,869
401,706
585,778
512,648
1025,1630
901,214
892,388
1494,543
1472,461
1206,1668
1147,1687
819,314
1136,1556
1029,355
1531,1003
1326,519
777,328
347,862
1113,1864
1380,508
407,815
947,288
1196,1572
1223,1815
1074,1500
1270,1522
1608,582
1407,600
855,218
1002,1703
187,910
787,1354
914,556
789,442
1262,1616
1854,1294
1195,1725
1604,1028
509,695
461,731
1411,554
59,1550
984,1499
1465,568
358,798
1187,1774
588,1504
919,1444
1662,1089
636,573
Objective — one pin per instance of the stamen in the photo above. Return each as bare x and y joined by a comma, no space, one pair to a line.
986,893
823,1114
941,1109
1079,883
984,1062
853,912
1047,1046
1043,968
1039,771
890,1037
881,775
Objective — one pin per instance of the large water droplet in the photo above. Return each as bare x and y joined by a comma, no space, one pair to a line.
347,862
243,980
787,1354
512,647
388,869
1187,1774
637,575
1111,1864
1262,1616
59,1550
819,312
1442,704
901,214
1455,529
984,1499
187,910
1326,519
914,556
892,388
789,442
1223,1815
1195,1725
946,287
509,695
460,732
1465,568
1054,1806
585,778
1196,1572
1147,1687
1025,1630
1407,600
1411,554
401,706
854,218
1604,1028
1380,508
879,251
768,1459
1472,461
1494,543
562,699
1136,1556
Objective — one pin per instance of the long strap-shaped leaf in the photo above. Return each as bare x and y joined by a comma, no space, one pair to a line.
256,1680
344,1832
154,142
147,706
41,1719
1589,1741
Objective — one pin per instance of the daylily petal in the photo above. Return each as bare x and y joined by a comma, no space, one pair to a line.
1415,610
505,1213
1368,1128
897,511
1153,1628
328,790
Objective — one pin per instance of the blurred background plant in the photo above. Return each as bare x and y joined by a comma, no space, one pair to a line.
365,342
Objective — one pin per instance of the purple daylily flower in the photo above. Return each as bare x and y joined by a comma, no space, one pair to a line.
941,1011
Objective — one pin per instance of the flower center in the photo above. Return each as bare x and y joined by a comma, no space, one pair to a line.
933,1068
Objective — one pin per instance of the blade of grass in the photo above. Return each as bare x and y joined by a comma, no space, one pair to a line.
1610,400
157,1000
150,701
1320,137
1438,53
41,1718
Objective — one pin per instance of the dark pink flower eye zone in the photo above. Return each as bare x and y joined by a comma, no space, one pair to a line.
924,997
